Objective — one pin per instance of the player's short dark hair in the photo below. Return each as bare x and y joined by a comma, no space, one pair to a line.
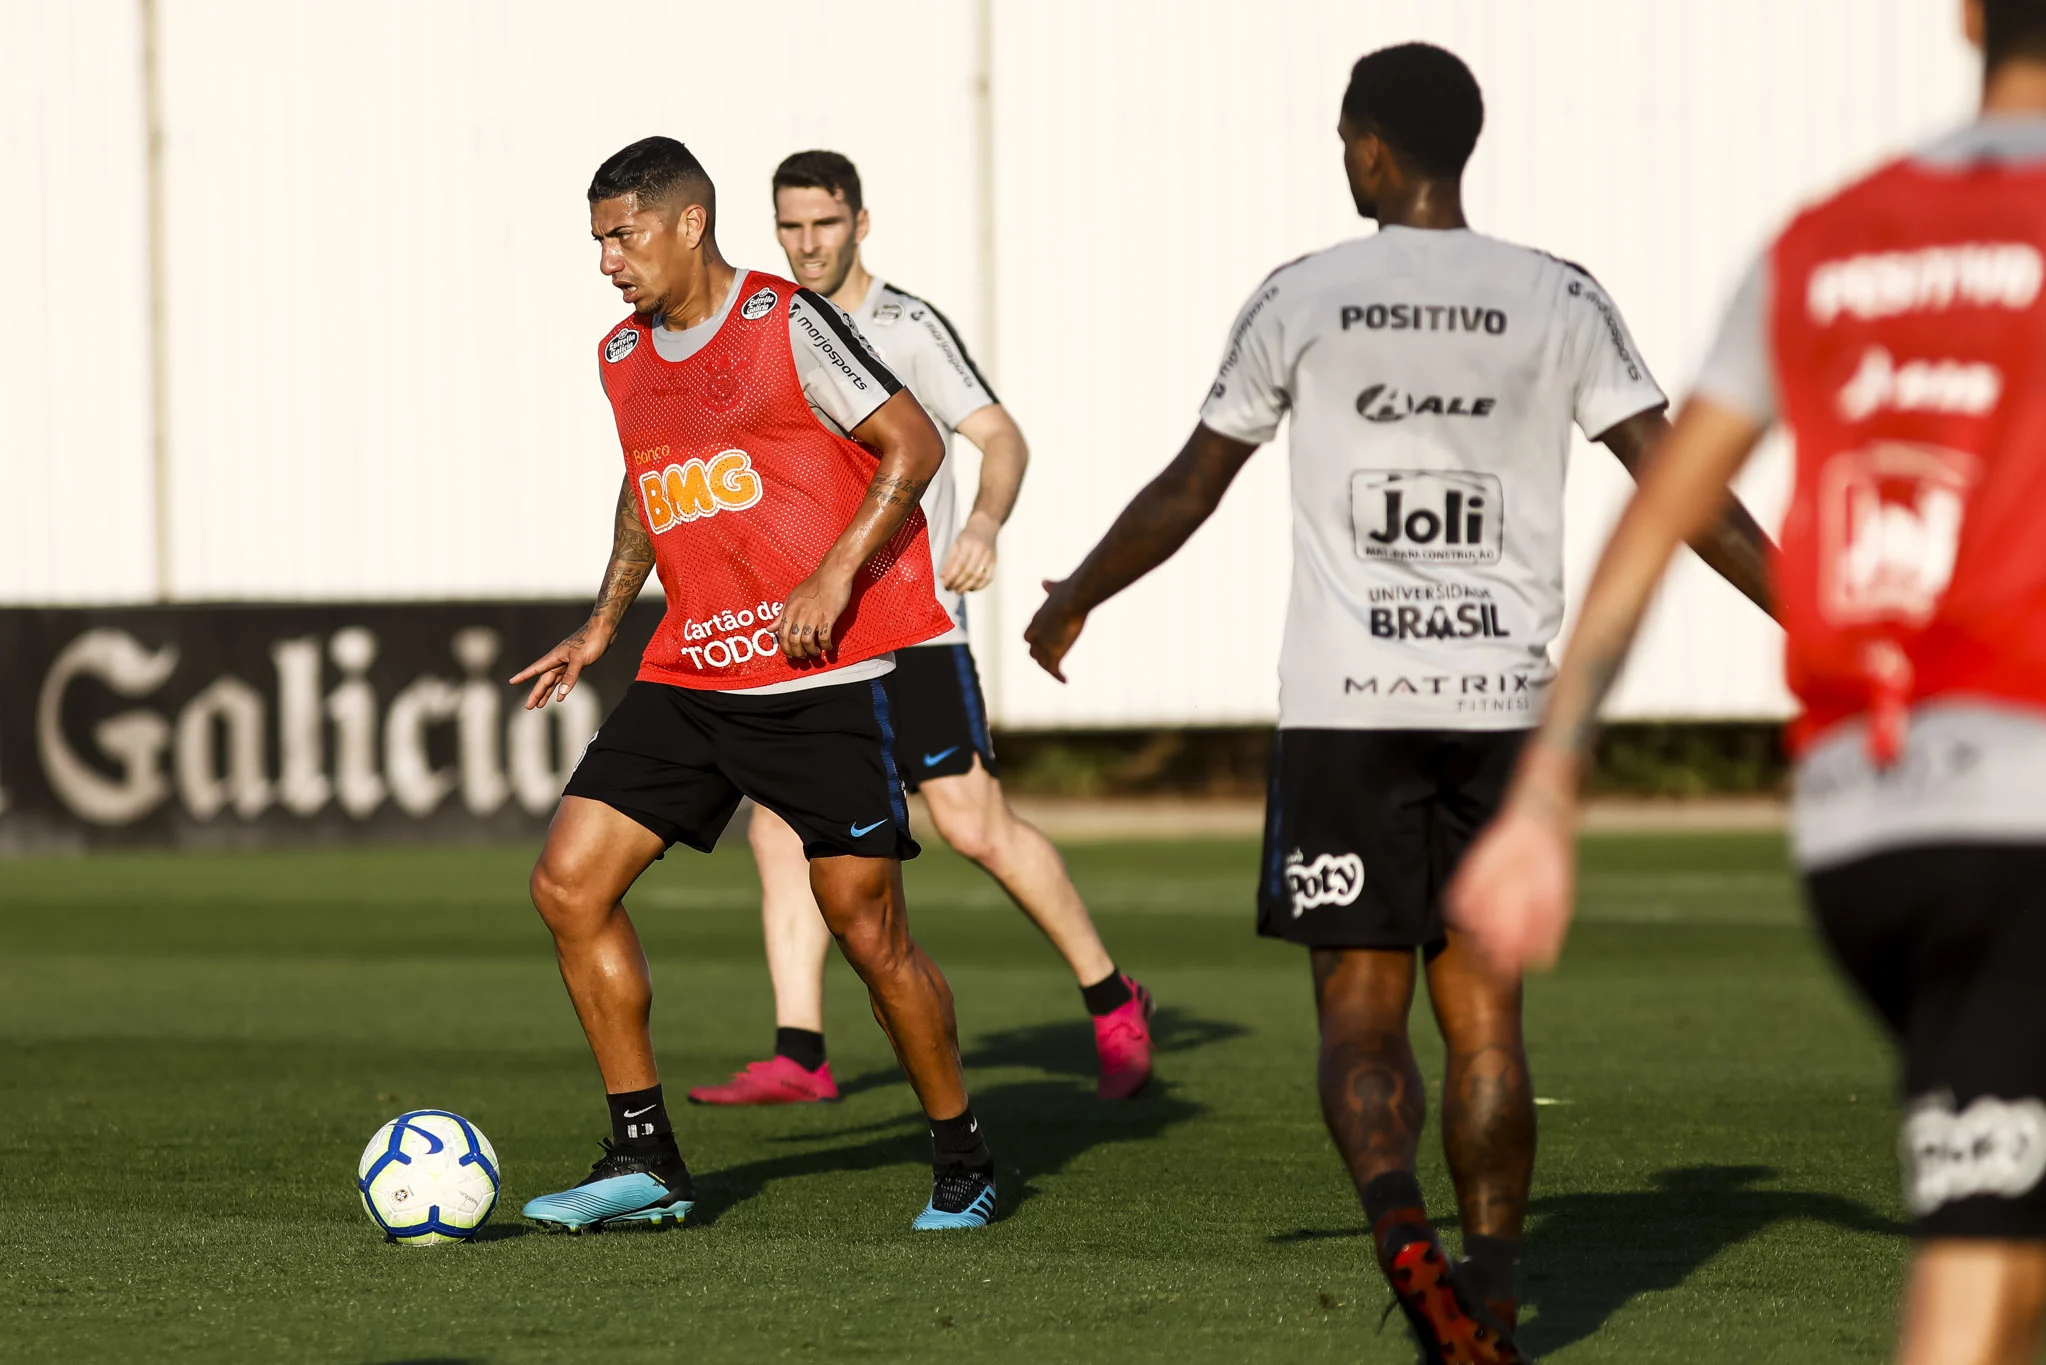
832,172
655,170
2013,28
1422,100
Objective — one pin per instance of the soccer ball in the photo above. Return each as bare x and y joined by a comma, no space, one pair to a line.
428,1177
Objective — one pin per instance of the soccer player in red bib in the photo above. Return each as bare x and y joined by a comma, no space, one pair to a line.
1897,330
772,471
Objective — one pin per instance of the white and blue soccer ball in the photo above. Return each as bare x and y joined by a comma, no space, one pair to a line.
428,1177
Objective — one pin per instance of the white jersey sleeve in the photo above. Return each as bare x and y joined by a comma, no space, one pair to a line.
1740,369
1612,380
940,372
1249,395
841,376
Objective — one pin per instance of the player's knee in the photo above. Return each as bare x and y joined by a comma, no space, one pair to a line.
977,830
563,899
874,946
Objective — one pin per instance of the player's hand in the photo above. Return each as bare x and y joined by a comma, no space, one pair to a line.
813,609
1517,886
555,672
1052,631
970,564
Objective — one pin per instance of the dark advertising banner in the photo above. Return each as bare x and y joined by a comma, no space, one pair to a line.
240,726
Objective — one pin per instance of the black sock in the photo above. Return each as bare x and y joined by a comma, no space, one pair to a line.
959,1140
639,1118
1398,1214
804,1047
1107,995
1489,1267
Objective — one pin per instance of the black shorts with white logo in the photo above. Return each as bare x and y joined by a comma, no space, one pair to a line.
1363,829
940,716
1947,942
677,760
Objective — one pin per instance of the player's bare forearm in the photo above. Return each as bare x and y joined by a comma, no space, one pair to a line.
1683,489
1150,530
910,452
1733,545
632,559
1004,455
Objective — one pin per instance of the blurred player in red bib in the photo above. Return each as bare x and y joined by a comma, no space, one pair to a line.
1897,330
773,468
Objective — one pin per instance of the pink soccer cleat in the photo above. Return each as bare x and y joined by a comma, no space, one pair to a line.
774,1081
1123,1038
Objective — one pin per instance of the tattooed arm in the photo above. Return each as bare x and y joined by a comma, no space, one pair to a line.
1515,890
632,559
1150,531
1734,546
911,451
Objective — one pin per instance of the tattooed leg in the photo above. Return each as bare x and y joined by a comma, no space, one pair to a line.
1488,1120
1371,1090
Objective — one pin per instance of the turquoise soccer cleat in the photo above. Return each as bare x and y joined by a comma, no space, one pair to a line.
961,1197
623,1187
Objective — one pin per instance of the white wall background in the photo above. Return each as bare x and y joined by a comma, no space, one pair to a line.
383,303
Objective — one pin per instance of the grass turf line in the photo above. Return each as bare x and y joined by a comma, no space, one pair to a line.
196,1048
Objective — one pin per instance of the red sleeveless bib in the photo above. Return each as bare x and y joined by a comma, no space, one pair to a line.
1910,329
743,492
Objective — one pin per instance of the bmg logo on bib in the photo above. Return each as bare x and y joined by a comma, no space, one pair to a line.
1428,516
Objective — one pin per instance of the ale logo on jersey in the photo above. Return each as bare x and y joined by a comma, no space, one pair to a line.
621,343
1383,403
726,482
1331,879
1427,516
1889,529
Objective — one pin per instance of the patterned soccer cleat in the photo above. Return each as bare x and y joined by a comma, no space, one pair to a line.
961,1197
1451,1326
1123,1039
623,1187
777,1080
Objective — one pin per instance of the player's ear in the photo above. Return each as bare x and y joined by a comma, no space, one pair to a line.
860,225
1971,21
695,225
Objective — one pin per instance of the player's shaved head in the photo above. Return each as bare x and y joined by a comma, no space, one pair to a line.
1422,102
832,172
2013,29
656,171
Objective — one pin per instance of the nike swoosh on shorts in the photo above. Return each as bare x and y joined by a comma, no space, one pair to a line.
933,760
861,831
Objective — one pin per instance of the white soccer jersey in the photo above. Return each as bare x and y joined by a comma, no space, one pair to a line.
919,345
1432,378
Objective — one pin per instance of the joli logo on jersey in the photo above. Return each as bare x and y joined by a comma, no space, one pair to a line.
1890,527
726,482
1427,516
1331,879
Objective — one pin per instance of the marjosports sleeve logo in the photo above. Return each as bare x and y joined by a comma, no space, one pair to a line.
726,482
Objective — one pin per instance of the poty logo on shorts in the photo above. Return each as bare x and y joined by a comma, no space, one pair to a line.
621,343
1993,1146
726,482
1331,879
759,305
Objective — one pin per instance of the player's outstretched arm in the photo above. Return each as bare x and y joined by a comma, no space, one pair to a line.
911,451
632,559
1734,546
1156,523
1516,888
1004,455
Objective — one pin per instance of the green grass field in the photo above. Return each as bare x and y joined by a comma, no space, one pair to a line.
196,1048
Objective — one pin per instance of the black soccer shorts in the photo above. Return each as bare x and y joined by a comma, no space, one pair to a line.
940,715
1364,828
1947,942
677,760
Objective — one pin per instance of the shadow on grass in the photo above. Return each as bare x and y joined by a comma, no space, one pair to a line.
495,1231
1589,1255
1065,1048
